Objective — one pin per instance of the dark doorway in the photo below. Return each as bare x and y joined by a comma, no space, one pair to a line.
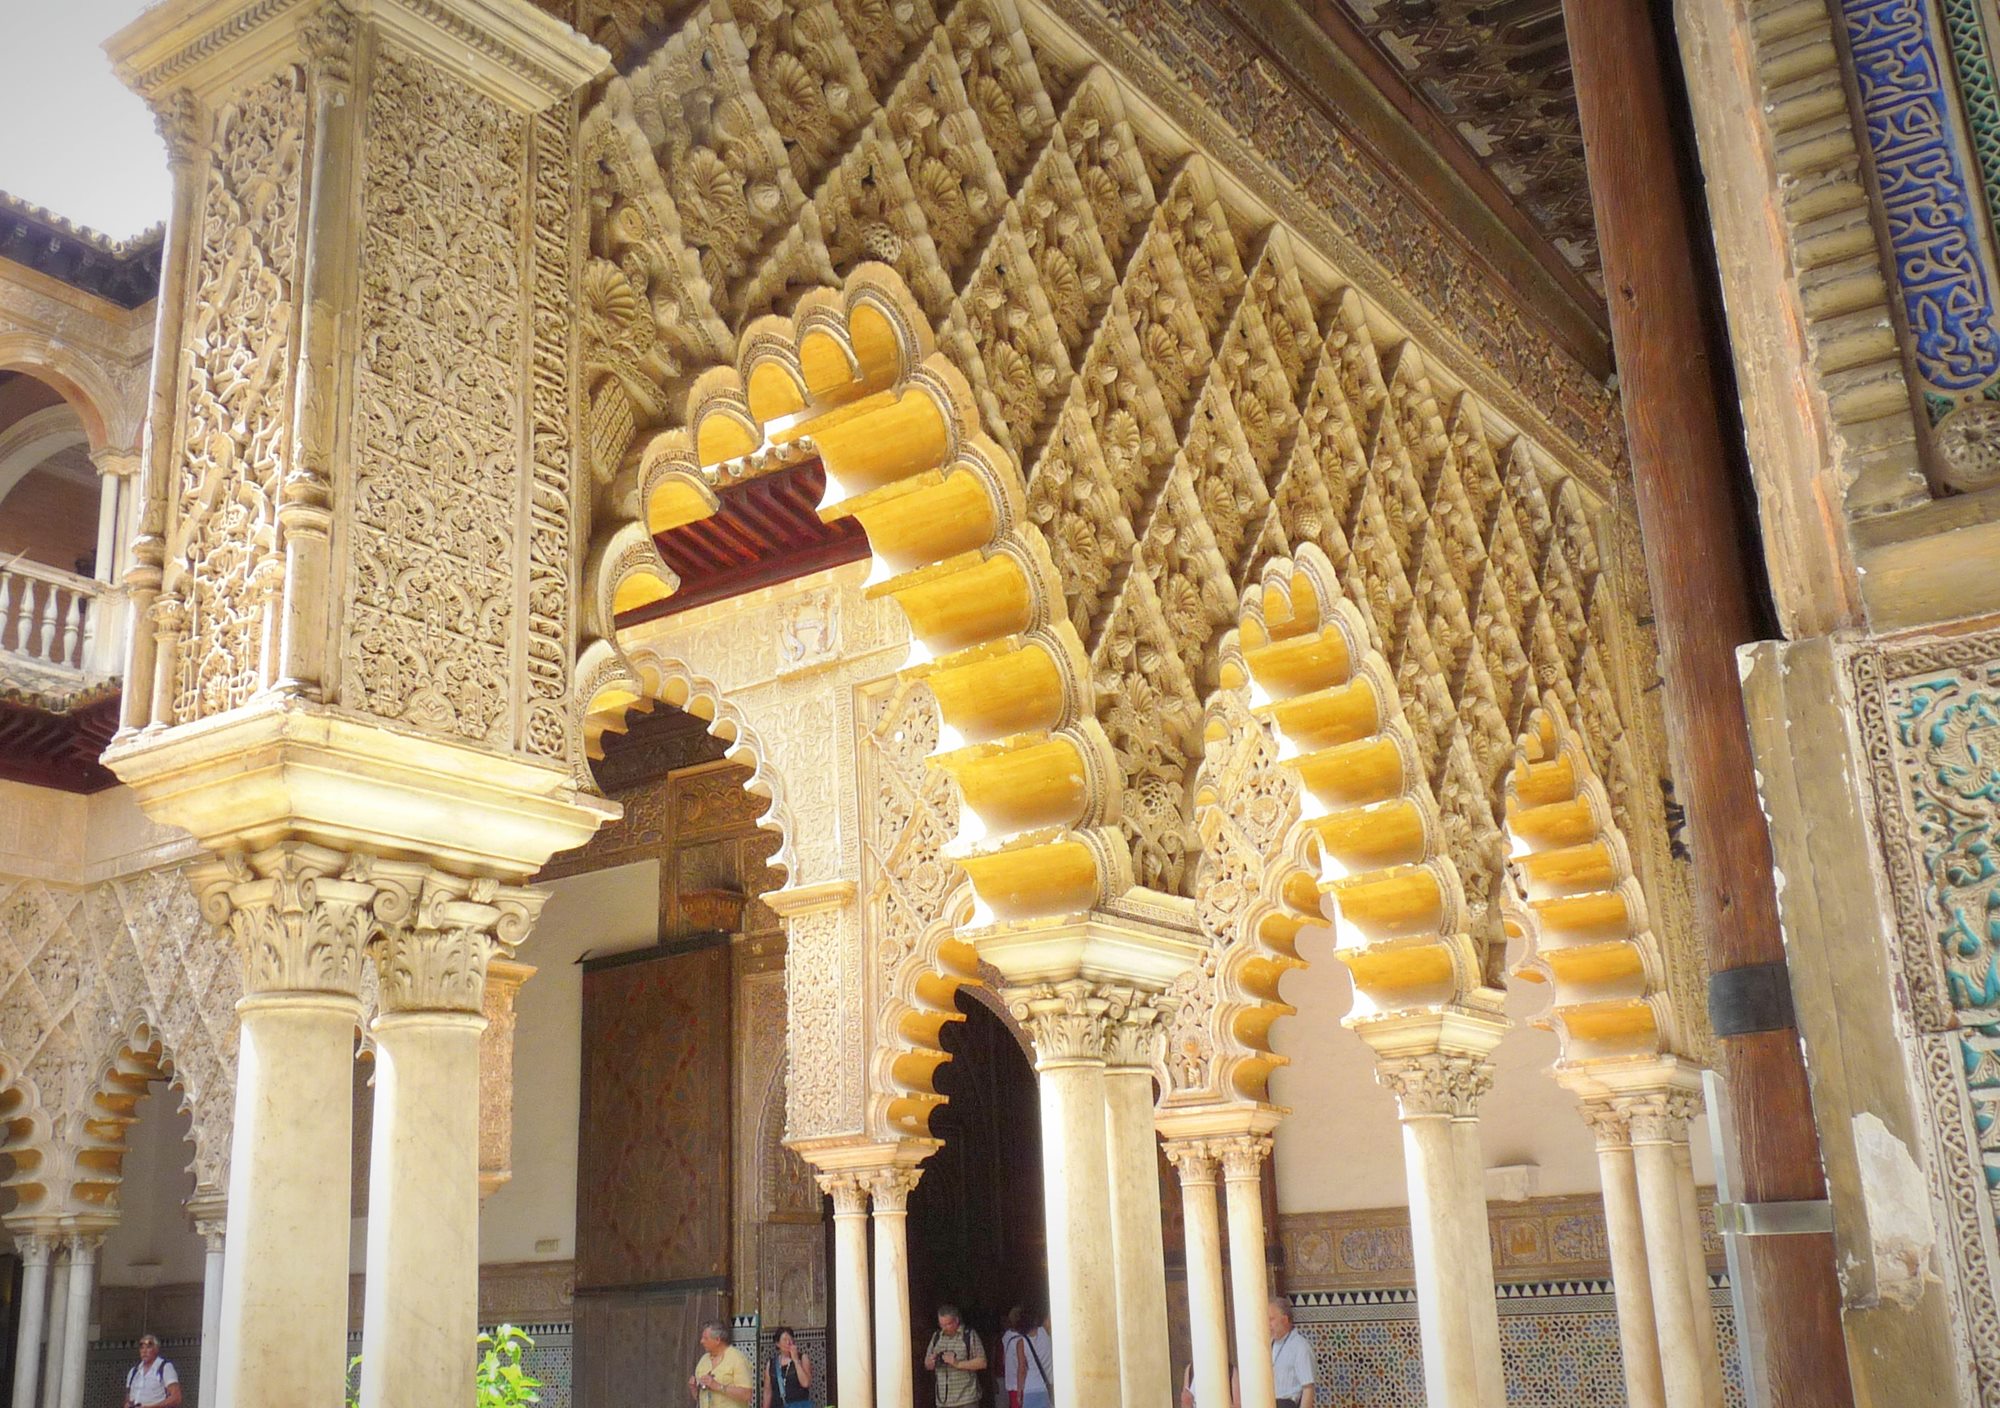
976,1229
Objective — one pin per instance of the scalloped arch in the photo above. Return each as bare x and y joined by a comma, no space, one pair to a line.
854,378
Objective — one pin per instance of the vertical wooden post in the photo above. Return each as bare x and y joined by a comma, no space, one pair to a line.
1687,509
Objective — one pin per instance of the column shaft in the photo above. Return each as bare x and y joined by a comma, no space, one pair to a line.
1481,1301
1249,1276
1697,1271
1666,1258
1144,1359
35,1253
853,1347
1631,1280
1207,1326
211,1310
895,1370
52,1352
1444,1323
422,1301
1082,1281
76,1327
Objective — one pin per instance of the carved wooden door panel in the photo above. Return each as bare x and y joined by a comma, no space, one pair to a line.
652,1235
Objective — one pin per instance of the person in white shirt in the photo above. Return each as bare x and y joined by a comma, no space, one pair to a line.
1291,1359
153,1380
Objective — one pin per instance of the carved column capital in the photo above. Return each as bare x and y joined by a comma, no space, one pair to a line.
1194,1160
848,1189
1136,1040
299,918
328,41
1610,1125
892,1188
1069,1021
1243,1157
35,1248
183,127
83,1244
437,932
1661,1116
1436,1084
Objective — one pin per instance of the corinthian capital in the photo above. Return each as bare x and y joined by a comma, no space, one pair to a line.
1138,1038
1661,1116
1068,1021
848,1189
298,916
437,932
182,125
1436,1083
1193,1159
328,40
1243,1156
892,1187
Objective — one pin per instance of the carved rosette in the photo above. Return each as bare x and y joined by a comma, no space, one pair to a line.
435,934
849,1191
1436,1084
299,916
892,1188
1243,1157
1660,1117
1069,1022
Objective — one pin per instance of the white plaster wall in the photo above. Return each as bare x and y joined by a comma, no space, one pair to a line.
42,832
1341,1148
154,1239
604,912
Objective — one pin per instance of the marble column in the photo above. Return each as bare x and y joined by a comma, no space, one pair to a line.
52,1350
1434,1091
853,1347
1067,1021
211,1230
301,918
1144,1358
36,1250
421,1303
1697,1269
895,1370
1658,1123
83,1247
1243,1159
1195,1162
1625,1234
1475,1230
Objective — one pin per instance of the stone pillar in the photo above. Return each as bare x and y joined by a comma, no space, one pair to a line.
1067,1022
1659,1122
36,1249
504,978
300,915
1435,1091
1625,1233
437,933
1482,1299
52,1350
83,1248
1208,1327
853,1349
895,1371
1697,1269
1144,1359
211,1230
1243,1159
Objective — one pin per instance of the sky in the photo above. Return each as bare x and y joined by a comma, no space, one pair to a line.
72,138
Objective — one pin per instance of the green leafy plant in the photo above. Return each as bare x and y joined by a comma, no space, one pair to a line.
499,1381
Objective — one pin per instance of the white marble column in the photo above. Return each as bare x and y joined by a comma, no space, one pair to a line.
36,1249
853,1347
301,922
1657,1120
52,1350
1625,1234
1067,1021
1697,1268
1434,1091
211,1231
1144,1357
895,1370
1243,1158
1208,1328
83,1247
1482,1300
421,1303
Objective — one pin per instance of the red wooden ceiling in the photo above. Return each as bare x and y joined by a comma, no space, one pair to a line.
57,750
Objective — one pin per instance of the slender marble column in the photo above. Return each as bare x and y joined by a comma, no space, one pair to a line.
76,1326
1067,1023
1144,1357
895,1371
1432,1091
1631,1281
1207,1325
211,1299
1697,1268
52,1351
37,1249
1475,1230
853,1348
301,919
421,1306
1655,1122
1249,1277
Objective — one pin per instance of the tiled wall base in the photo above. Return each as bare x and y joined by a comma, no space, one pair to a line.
1558,1341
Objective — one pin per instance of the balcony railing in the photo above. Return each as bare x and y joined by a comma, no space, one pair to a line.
57,629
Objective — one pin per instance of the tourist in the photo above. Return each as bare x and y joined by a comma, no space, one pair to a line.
790,1379
1291,1359
1025,1355
1013,1355
956,1357
722,1375
152,1380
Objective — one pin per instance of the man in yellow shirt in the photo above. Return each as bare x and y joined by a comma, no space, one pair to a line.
722,1377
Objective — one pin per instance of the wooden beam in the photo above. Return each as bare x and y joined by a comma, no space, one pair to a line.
1683,482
